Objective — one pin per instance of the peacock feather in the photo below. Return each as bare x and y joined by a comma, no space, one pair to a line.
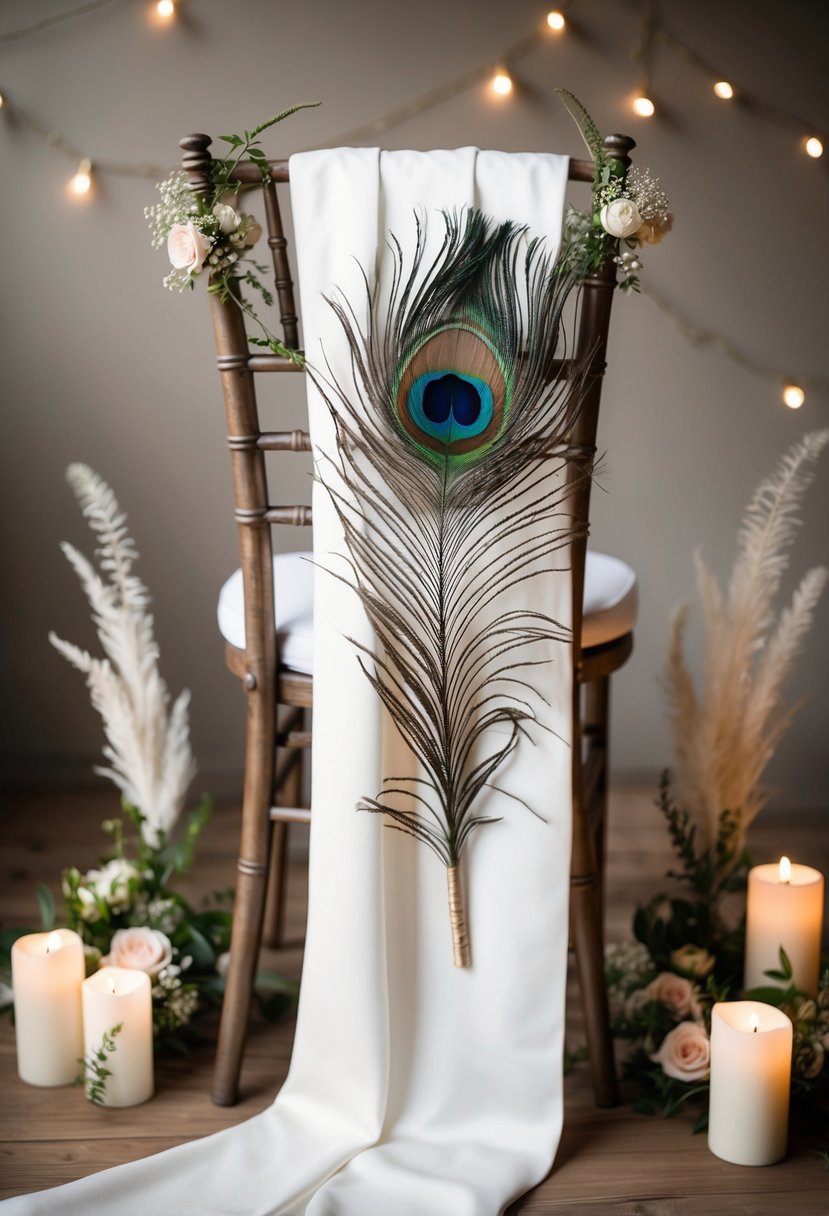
449,434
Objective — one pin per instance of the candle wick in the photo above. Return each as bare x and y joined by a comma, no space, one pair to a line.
754,1028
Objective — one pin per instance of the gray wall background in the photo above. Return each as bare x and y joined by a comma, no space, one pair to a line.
100,364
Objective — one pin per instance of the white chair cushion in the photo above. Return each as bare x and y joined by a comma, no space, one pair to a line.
610,606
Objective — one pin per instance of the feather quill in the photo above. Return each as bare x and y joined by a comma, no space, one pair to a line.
448,441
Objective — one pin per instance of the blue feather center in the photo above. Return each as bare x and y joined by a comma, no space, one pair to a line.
450,405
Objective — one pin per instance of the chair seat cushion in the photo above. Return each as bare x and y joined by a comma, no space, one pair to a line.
610,606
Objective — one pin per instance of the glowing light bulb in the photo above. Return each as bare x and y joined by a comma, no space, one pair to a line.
2,99
53,942
793,396
502,84
165,9
814,147
82,180
754,1022
785,870
724,90
644,107
556,21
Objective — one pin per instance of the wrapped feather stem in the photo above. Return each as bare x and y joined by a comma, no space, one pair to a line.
457,918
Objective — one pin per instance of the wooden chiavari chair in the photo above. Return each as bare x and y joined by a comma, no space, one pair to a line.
278,695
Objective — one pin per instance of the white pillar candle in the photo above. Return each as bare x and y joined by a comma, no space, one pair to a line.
751,1065
117,996
785,908
47,973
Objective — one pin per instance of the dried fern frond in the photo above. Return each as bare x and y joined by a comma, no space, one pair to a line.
724,737
147,744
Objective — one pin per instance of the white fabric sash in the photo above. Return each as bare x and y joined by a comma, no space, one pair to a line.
415,1088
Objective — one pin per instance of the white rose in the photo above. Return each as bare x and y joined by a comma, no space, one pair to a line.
111,882
89,905
187,247
229,221
140,949
685,1053
621,217
677,994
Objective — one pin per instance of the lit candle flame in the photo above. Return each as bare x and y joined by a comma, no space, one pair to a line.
754,1022
785,870
113,990
53,942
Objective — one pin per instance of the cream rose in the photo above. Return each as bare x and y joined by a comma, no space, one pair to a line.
252,234
140,949
677,994
621,217
187,247
685,1053
229,221
693,960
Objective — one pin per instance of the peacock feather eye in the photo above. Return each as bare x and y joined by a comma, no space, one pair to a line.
451,395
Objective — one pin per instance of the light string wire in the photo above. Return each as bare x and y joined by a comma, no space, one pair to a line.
650,31
55,19
700,335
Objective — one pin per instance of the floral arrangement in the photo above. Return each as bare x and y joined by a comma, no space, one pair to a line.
687,955
210,234
629,209
126,909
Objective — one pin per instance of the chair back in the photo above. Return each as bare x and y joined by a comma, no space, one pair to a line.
248,443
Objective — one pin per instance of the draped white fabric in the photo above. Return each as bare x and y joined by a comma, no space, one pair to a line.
415,1088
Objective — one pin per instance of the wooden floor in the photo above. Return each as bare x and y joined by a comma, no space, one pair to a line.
610,1163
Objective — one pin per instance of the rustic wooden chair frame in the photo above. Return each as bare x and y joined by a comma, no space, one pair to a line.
274,746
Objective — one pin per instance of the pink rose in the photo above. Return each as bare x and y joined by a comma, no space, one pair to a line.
140,949
685,1053
187,247
678,995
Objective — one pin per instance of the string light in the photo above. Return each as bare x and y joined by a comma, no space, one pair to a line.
82,181
793,396
502,83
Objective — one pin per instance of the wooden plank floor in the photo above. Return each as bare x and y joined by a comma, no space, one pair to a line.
610,1163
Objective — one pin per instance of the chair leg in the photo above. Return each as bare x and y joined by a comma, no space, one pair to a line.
289,794
587,931
250,895
597,718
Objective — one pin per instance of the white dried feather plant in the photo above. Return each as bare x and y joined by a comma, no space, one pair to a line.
724,737
147,741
